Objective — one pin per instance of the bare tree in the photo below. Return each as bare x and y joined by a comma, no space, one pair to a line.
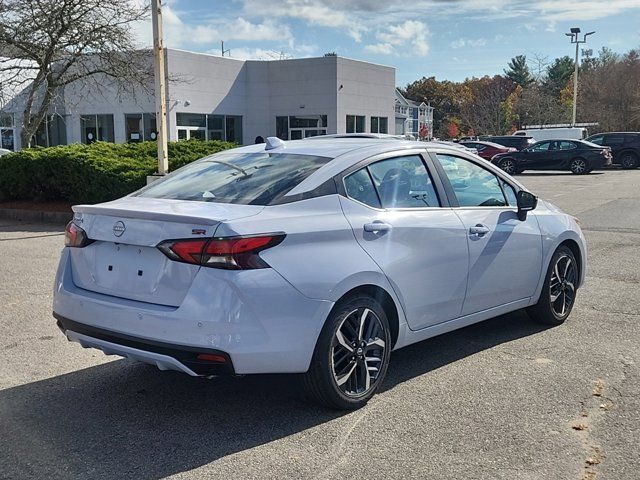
46,45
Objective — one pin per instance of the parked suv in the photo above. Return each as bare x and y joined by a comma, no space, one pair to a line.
518,142
625,147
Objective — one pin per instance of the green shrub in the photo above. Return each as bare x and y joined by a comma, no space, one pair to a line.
90,173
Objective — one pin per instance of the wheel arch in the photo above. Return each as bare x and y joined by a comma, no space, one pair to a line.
384,298
572,245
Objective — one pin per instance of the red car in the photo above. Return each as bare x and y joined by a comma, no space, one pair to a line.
487,149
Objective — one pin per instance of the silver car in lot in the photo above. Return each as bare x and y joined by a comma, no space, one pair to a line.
312,257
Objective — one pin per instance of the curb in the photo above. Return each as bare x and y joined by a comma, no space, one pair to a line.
35,216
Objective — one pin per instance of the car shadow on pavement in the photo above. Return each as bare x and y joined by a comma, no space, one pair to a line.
128,420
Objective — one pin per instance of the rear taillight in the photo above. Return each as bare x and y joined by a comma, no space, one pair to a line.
231,253
76,237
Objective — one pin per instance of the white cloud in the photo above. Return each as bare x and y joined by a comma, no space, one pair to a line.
468,42
409,37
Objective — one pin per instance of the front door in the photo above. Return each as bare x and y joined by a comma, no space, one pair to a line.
505,253
421,247
539,156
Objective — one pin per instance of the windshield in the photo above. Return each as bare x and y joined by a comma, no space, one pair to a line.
242,178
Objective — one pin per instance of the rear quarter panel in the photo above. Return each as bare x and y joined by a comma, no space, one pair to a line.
319,255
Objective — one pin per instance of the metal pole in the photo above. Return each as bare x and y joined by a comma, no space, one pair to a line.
575,86
161,94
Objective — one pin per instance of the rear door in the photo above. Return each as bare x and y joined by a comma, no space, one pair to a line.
505,254
399,217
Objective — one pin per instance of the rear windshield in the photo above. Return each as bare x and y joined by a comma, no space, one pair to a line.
242,178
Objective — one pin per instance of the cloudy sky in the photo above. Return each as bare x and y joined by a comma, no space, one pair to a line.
449,39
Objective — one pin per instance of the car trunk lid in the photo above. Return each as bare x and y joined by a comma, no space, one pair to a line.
123,260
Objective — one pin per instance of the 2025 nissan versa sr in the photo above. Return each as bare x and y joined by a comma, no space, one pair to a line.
315,257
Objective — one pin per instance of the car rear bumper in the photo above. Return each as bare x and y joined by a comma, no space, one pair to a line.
254,318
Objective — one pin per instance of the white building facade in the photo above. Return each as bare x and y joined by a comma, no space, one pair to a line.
220,98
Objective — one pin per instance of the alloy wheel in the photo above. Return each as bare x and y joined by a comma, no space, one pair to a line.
629,161
562,290
508,166
358,350
578,166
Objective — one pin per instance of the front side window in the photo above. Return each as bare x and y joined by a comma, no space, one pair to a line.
597,139
510,193
239,178
473,185
403,182
541,147
355,123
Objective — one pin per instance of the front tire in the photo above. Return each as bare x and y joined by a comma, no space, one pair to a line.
351,356
559,290
579,166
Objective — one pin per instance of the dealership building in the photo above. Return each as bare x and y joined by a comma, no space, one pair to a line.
220,98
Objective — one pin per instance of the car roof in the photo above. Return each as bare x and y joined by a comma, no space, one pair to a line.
344,152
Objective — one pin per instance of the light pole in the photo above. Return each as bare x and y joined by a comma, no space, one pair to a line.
575,38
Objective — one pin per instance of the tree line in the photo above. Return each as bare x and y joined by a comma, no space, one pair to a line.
537,92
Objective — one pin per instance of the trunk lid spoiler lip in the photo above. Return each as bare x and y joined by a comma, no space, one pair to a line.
169,212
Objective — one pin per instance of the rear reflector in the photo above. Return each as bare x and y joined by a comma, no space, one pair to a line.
231,253
210,357
76,237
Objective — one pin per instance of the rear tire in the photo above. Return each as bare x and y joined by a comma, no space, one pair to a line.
351,356
508,165
628,160
579,166
559,290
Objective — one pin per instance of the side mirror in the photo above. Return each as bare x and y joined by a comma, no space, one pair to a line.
526,202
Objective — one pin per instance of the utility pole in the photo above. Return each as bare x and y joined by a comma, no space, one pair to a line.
161,94
227,51
575,38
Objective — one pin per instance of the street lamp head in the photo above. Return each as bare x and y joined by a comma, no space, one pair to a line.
590,33
575,30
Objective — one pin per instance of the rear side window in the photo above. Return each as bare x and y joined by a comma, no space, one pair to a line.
239,178
360,187
614,140
473,185
403,182
564,145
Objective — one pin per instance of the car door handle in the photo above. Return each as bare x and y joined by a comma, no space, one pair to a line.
479,230
377,227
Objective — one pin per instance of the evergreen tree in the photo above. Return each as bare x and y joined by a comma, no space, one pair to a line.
518,71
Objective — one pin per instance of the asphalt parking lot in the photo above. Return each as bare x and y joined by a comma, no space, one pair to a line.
504,399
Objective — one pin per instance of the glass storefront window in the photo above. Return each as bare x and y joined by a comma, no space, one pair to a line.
209,127
97,128
150,128
7,132
133,127
191,119
298,127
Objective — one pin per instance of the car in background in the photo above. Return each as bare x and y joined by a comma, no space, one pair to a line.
312,257
578,156
513,141
487,150
550,133
455,145
625,147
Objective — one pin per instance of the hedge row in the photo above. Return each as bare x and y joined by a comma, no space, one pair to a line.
90,173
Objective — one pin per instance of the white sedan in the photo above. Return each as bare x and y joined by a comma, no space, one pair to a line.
314,257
